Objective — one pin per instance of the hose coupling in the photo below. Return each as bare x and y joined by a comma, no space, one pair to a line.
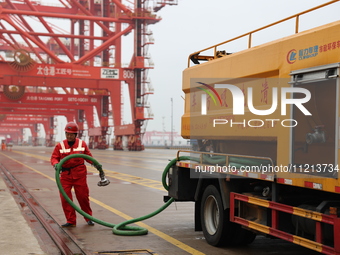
103,181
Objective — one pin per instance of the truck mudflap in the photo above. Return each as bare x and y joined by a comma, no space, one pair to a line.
272,228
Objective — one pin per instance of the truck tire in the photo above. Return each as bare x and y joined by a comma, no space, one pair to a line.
216,226
214,218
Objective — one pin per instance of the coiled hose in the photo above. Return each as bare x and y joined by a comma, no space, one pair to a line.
121,228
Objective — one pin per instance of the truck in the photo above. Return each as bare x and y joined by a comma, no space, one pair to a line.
266,122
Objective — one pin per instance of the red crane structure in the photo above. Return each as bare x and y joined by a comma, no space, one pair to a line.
84,58
31,122
47,103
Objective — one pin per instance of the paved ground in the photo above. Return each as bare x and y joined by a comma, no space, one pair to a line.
16,236
135,190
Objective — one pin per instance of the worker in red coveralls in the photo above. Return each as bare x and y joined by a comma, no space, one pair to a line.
73,173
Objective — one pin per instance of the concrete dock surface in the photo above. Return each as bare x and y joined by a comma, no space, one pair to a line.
16,236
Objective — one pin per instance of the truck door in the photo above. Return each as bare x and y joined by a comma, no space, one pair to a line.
314,140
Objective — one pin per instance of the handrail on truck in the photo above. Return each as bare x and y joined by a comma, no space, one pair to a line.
195,56
224,155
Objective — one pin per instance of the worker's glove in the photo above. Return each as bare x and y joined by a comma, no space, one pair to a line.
55,167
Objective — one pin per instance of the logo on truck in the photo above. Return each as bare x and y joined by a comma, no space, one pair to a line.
291,56
308,52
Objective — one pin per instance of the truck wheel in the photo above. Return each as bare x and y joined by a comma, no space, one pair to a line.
217,228
214,218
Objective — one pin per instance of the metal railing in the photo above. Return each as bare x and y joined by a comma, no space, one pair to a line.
195,56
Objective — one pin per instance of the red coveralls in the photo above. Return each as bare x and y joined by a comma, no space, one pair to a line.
75,177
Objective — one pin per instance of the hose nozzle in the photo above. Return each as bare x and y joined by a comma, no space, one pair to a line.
103,181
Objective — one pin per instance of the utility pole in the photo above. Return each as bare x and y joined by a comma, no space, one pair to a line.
164,131
172,134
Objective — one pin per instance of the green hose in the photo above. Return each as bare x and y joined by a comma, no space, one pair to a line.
121,228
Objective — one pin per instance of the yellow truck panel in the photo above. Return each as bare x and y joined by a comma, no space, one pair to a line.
263,68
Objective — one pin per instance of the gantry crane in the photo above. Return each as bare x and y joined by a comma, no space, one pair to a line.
31,122
51,104
85,57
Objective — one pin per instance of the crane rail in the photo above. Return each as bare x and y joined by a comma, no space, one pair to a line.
55,239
